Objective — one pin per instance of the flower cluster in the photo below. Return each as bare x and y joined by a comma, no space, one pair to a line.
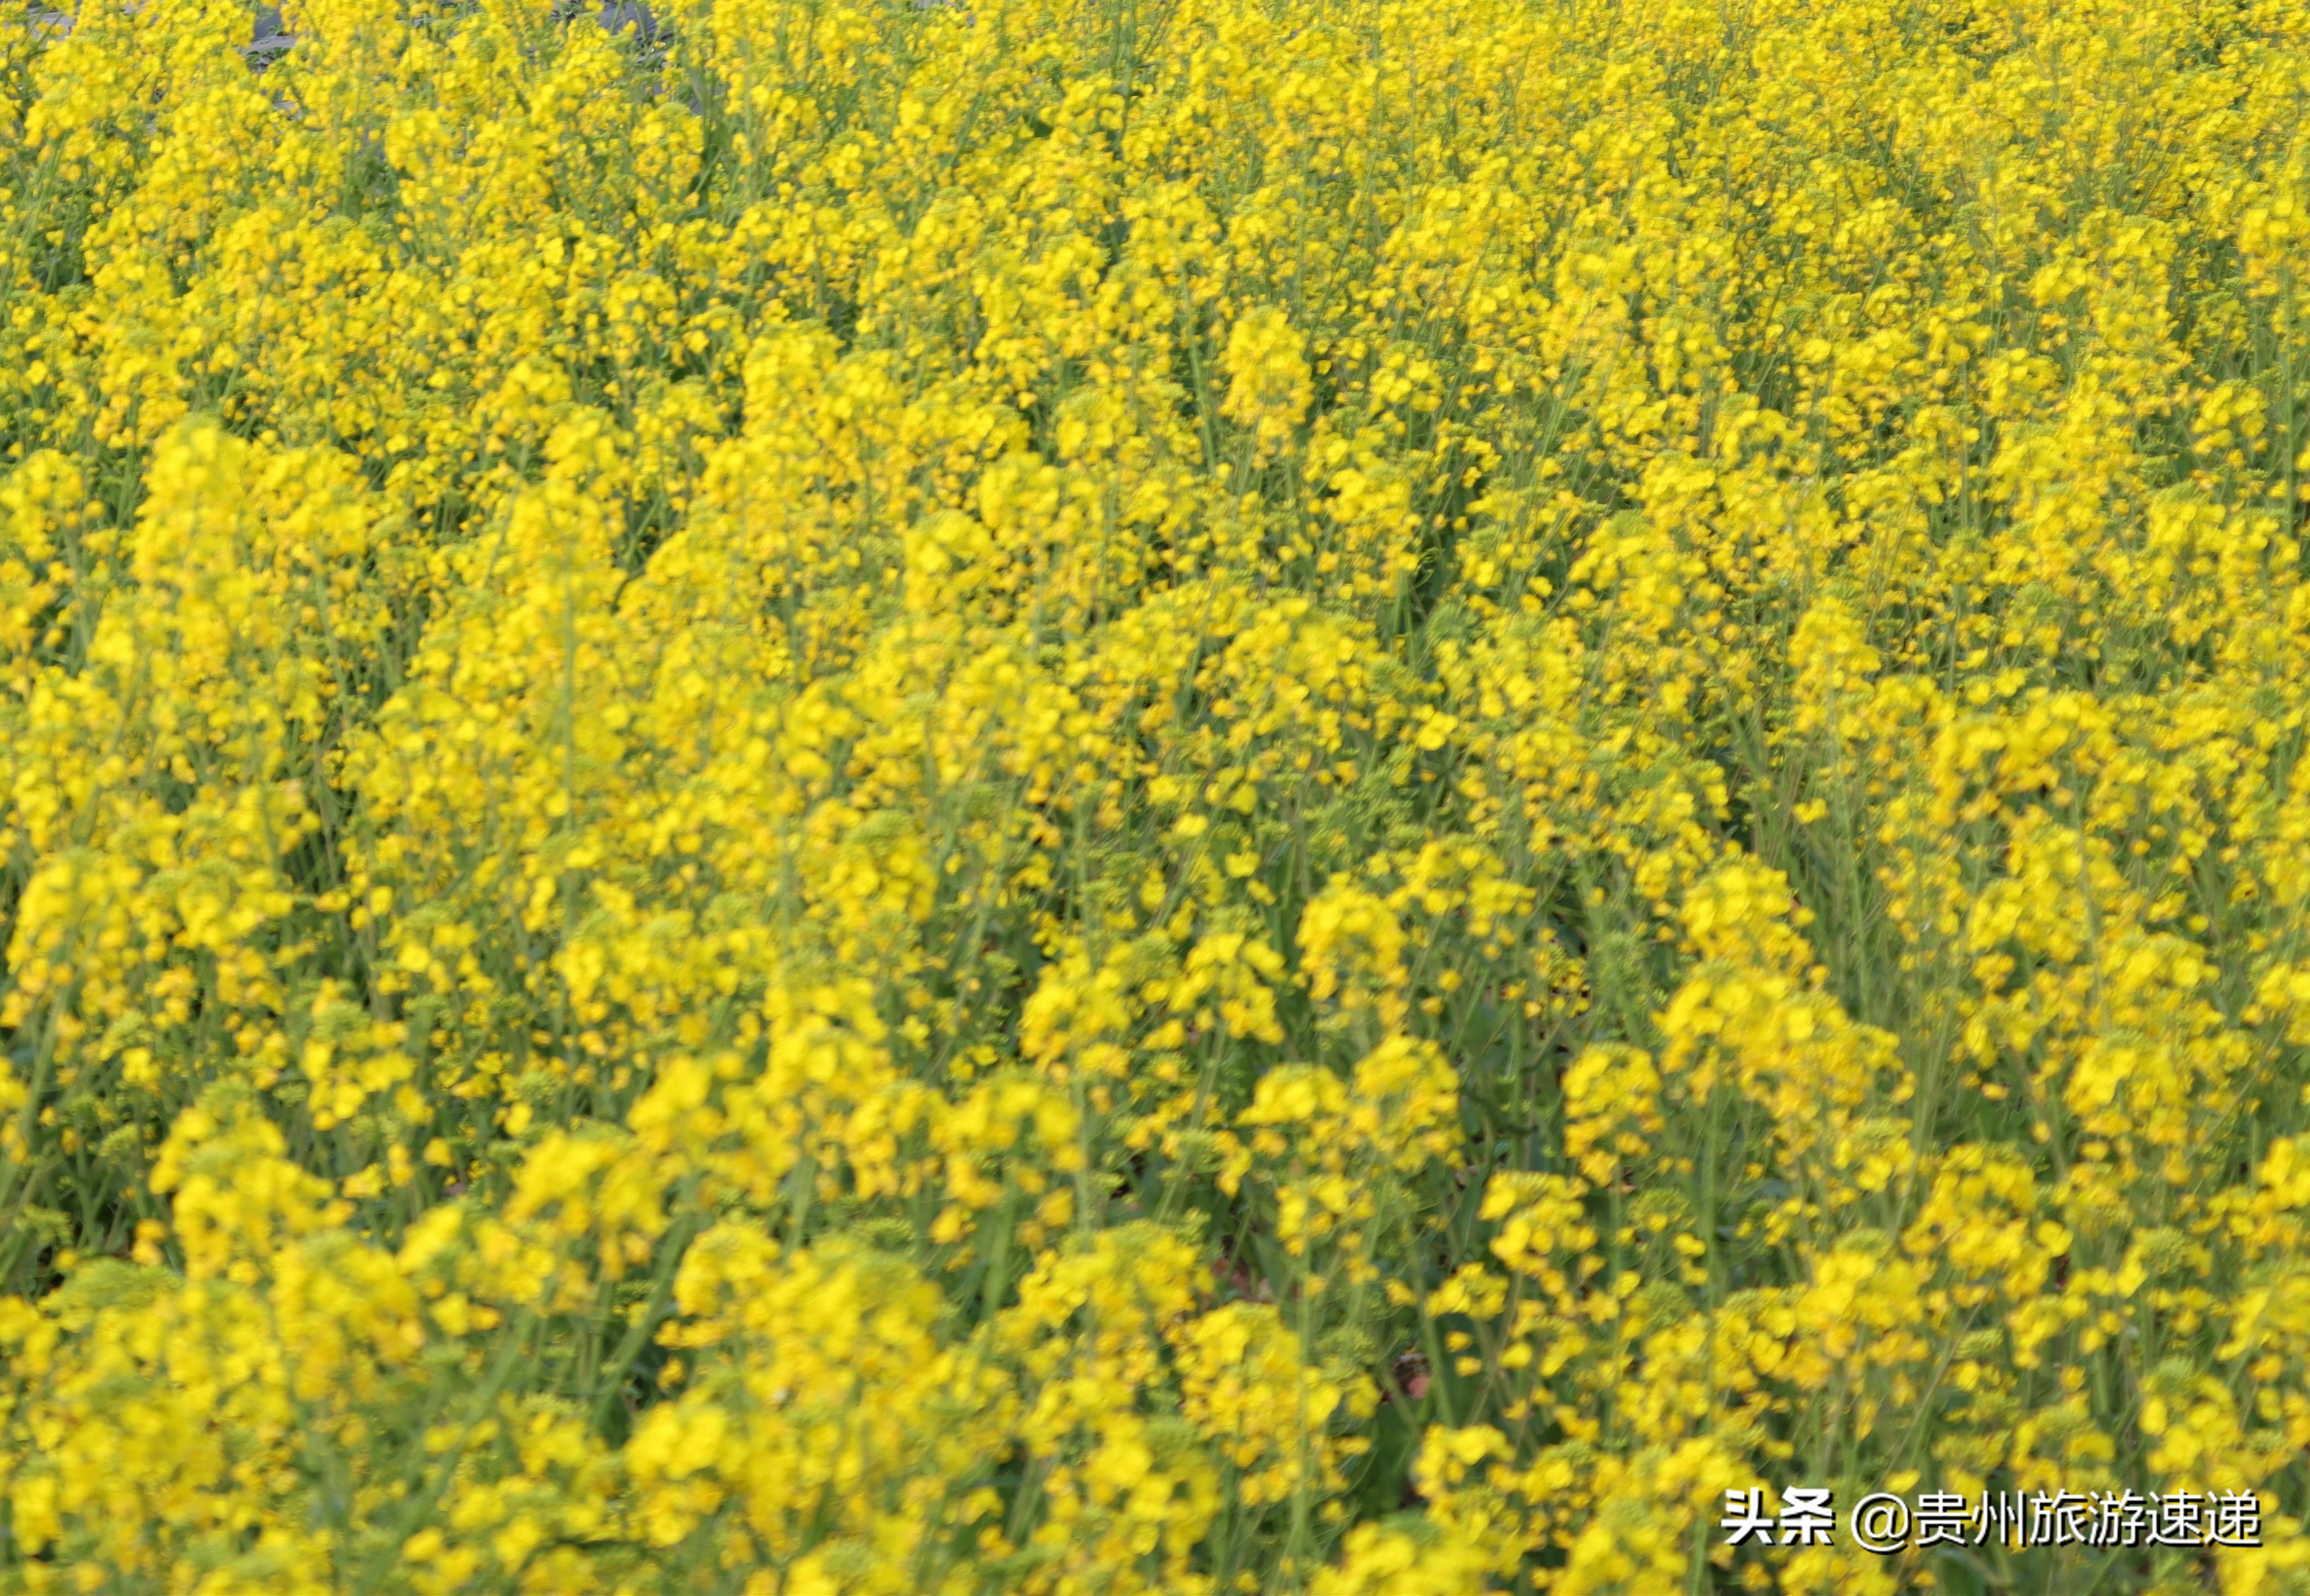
855,797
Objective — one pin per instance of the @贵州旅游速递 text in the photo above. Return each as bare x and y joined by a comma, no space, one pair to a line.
1889,1522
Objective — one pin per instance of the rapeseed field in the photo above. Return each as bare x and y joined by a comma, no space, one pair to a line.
1379,798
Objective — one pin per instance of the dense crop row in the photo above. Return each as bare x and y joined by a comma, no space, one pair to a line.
1087,796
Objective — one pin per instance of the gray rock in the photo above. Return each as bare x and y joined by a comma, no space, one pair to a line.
618,15
269,40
